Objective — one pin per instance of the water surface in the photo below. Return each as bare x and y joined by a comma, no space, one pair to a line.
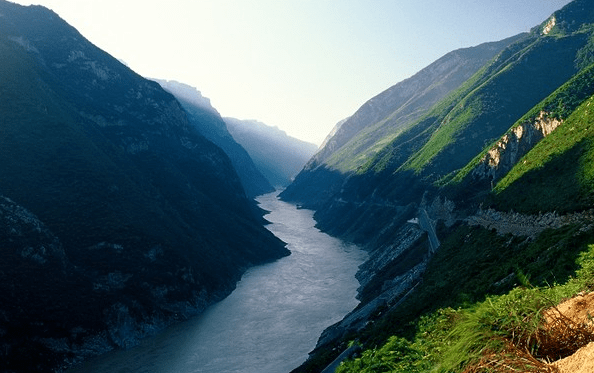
273,318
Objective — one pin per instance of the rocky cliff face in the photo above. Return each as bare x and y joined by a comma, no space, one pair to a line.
500,158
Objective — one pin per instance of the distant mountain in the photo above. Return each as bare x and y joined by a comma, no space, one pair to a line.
210,124
463,186
278,156
117,216
333,132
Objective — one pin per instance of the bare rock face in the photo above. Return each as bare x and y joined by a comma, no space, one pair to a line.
514,145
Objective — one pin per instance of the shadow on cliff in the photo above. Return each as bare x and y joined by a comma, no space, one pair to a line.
561,184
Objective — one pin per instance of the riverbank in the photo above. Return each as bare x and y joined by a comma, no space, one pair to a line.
271,321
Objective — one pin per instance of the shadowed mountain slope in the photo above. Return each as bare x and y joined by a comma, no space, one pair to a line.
210,124
119,216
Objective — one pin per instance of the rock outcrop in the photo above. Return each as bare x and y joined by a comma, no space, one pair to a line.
512,146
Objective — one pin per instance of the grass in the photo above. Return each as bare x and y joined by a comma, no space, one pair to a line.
357,152
557,173
503,333
560,105
446,133
483,113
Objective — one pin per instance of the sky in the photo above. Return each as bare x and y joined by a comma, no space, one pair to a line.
300,65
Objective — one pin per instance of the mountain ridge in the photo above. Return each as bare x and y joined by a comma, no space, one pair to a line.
344,155
212,126
444,233
116,210
278,156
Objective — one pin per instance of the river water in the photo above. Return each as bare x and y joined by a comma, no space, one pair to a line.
273,318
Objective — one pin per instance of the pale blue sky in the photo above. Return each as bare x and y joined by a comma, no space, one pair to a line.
301,65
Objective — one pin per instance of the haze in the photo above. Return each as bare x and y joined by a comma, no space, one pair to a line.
301,65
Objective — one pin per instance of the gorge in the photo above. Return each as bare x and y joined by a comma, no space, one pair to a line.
446,203
271,320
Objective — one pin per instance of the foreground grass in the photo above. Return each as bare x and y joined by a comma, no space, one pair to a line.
501,332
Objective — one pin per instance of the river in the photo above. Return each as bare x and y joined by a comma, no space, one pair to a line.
273,318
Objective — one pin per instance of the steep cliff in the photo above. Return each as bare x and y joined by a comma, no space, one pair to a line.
512,146
124,218
210,124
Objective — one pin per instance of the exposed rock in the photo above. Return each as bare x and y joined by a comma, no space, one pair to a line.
528,225
385,255
549,26
514,145
444,210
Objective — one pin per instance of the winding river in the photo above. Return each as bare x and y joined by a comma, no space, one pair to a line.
273,318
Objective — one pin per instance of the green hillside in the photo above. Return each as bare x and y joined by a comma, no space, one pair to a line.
514,236
479,305
558,173
560,104
492,106
379,123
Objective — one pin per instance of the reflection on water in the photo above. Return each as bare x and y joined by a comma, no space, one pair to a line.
273,318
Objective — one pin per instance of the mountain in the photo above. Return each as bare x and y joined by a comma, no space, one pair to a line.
482,198
210,124
278,156
379,121
118,216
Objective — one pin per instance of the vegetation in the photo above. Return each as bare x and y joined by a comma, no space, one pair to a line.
557,174
512,88
480,305
134,203
560,104
481,299
476,336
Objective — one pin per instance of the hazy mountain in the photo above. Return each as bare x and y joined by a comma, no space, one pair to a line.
485,187
210,124
118,216
333,132
278,156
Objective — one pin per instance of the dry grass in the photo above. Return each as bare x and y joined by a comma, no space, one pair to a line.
532,349
511,360
561,336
